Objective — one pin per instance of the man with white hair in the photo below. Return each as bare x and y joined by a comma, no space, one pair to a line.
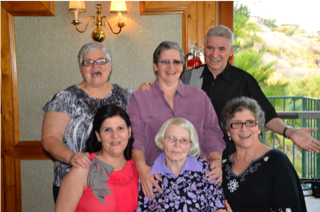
223,82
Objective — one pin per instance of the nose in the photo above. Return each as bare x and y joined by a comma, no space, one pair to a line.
215,53
171,65
115,134
177,143
95,64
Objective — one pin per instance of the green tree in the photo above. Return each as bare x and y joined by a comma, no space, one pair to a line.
269,22
245,32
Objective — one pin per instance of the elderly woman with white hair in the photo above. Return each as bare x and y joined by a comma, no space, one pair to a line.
184,182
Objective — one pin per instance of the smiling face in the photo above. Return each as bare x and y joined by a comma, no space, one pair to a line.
114,135
168,73
95,75
245,136
217,53
176,151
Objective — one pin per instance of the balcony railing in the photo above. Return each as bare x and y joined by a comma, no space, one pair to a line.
297,111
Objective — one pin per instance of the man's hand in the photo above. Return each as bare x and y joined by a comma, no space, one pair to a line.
147,181
302,138
216,170
80,159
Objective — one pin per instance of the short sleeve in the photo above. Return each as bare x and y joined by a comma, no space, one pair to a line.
61,102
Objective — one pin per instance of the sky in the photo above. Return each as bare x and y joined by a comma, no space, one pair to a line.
304,13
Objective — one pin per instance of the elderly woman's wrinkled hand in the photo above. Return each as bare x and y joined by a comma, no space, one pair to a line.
147,181
80,159
216,171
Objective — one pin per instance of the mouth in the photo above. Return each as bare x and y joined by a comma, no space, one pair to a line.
115,143
171,72
96,74
215,60
245,136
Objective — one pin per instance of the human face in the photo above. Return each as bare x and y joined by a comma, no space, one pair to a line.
168,74
217,53
114,135
96,75
176,152
244,137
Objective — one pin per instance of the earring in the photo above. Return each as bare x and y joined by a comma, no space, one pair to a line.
259,136
229,138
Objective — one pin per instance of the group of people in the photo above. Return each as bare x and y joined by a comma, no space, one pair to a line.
189,144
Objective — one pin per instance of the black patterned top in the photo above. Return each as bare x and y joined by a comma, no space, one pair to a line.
189,191
269,183
81,108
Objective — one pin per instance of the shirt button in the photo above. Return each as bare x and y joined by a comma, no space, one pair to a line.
174,186
173,196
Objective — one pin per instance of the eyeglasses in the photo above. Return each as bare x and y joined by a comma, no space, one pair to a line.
173,140
176,63
238,124
101,61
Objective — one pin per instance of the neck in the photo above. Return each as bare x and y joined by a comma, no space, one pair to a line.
99,91
175,166
169,90
251,153
118,162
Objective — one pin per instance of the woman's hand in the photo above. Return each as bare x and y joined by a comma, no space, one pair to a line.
147,181
216,170
80,159
145,86
227,206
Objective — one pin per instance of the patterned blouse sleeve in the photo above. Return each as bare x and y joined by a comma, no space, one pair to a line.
215,196
61,102
142,201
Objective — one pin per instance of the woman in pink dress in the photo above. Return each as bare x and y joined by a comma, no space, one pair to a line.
111,182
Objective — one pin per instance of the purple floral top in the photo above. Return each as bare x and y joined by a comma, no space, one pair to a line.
189,191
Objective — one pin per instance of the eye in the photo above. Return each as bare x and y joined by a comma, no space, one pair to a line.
209,47
222,48
121,128
236,123
165,62
107,129
177,62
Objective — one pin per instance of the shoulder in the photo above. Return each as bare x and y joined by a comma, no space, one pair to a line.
242,74
278,156
121,91
191,73
204,165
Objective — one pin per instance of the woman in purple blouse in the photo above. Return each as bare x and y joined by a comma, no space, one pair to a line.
184,184
169,98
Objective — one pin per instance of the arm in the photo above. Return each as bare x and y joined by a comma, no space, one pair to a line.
227,206
300,136
71,190
138,156
146,179
215,159
215,144
286,191
53,129
145,86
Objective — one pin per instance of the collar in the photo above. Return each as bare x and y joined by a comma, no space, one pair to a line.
225,73
156,89
159,167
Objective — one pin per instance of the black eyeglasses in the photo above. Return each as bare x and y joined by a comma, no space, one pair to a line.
173,140
176,63
238,124
101,61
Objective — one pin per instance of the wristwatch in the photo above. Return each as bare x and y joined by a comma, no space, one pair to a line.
285,130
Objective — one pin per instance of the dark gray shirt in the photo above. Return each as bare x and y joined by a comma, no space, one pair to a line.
81,108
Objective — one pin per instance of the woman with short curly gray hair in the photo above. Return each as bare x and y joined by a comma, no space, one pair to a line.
69,114
256,177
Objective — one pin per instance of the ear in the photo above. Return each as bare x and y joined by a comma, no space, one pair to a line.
231,51
229,134
155,67
98,136
129,131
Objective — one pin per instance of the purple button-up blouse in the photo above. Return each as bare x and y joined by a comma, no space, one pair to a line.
148,110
